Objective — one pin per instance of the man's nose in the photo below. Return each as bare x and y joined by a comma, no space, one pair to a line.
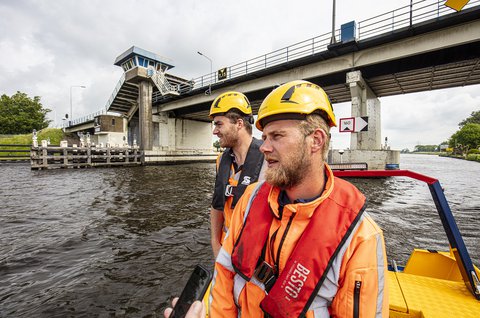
266,146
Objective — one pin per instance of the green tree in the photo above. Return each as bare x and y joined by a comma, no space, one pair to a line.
468,137
473,119
20,114
425,148
216,144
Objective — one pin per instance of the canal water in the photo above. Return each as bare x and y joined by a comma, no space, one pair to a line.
120,242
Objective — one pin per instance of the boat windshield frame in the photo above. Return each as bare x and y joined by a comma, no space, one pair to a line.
455,239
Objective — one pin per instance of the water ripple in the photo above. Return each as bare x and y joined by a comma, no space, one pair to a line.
120,242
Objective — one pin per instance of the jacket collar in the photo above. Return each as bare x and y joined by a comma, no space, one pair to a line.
304,207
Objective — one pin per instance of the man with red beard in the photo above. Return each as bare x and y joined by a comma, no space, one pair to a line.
300,244
239,165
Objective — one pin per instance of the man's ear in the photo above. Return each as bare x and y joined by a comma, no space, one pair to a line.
240,123
319,138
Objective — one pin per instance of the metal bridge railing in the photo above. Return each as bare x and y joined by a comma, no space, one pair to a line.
115,91
406,16
81,120
84,119
280,56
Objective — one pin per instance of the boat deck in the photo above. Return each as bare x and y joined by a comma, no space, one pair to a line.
426,297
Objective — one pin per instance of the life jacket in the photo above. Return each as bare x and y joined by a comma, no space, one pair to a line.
305,270
250,173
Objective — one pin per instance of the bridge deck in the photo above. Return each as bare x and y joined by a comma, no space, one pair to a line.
443,67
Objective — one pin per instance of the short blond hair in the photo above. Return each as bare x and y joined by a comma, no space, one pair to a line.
312,122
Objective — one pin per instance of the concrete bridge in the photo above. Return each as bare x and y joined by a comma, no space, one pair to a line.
414,48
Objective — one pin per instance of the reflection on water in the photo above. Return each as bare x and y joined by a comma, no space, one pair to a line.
404,210
119,242
101,242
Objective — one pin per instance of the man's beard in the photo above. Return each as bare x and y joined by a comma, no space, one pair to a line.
292,170
229,139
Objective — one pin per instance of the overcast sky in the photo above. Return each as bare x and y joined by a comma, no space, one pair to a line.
48,46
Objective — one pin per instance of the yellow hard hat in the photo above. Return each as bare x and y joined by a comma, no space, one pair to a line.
294,100
229,100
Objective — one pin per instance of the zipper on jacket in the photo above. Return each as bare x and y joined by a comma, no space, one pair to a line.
356,299
277,263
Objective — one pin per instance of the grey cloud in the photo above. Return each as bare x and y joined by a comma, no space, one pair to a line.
79,41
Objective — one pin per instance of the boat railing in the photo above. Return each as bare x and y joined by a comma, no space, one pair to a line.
455,239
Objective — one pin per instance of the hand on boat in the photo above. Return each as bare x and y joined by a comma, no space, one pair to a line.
197,310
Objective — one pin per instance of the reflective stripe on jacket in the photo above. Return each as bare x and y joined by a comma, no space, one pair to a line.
354,285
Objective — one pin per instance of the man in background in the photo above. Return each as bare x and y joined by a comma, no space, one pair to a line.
239,165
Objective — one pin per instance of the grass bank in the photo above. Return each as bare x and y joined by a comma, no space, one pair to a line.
469,157
473,157
55,135
435,153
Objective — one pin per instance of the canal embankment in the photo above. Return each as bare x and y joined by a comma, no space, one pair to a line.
18,147
471,155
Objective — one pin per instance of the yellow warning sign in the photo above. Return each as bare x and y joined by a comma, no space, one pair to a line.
222,74
456,4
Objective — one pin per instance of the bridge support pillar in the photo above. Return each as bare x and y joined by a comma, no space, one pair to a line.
364,104
365,146
179,140
145,90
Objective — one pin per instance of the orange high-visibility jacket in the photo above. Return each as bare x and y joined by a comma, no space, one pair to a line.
355,282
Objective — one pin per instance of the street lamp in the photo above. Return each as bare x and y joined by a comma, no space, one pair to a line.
209,92
71,106
332,39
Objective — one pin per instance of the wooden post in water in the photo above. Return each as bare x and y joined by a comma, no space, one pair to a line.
108,155
63,156
89,155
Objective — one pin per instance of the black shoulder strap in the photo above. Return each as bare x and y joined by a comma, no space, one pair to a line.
250,171
221,180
